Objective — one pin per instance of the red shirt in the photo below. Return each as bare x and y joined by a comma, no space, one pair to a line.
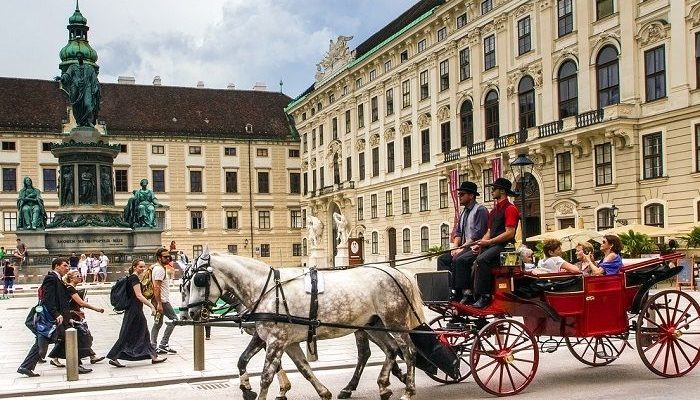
512,215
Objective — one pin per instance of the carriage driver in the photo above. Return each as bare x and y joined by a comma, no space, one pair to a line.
471,227
502,224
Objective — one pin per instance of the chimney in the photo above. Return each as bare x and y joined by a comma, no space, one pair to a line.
126,80
200,84
231,86
156,80
260,86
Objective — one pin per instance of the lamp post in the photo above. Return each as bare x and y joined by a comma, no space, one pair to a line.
615,211
522,167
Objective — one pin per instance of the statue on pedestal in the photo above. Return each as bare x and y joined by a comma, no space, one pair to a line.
315,228
341,224
31,214
66,186
88,192
106,185
83,89
140,210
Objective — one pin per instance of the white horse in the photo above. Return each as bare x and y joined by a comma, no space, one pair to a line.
355,297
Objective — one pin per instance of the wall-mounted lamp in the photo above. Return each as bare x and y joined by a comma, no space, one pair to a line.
245,243
615,211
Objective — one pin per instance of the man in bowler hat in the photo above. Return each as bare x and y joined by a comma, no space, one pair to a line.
502,224
471,227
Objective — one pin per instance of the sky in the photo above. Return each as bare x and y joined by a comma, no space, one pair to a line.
186,41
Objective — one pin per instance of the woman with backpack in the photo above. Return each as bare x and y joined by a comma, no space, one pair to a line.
134,342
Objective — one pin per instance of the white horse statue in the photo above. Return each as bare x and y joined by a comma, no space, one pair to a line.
315,228
362,294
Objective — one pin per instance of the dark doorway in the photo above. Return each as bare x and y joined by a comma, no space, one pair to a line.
391,240
531,210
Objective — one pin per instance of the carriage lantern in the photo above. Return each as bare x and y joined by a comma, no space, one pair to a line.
522,167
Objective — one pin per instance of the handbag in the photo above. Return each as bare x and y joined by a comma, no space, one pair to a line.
45,324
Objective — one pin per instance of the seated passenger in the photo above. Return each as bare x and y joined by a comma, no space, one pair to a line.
527,257
611,248
553,261
584,255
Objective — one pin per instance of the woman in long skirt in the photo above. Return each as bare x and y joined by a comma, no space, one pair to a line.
134,342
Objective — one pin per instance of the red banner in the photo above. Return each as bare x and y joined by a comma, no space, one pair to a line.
496,168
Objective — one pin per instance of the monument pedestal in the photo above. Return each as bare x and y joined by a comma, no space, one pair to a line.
317,259
147,240
342,258
35,242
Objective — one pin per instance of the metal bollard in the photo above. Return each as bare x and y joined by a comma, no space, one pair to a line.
71,354
198,339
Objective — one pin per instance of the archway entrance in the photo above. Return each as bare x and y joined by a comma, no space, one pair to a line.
391,242
533,218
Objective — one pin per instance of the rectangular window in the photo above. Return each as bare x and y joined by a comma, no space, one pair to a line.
261,152
389,203
655,73
603,164
264,250
322,177
390,102
425,145
406,93
374,104
49,175
486,6
565,11
424,239
444,75
264,219
375,161
305,142
231,219
348,169
360,208
294,182
387,66
331,98
487,177
348,123
361,165
407,151
293,153
9,180
445,137
231,182
489,52
197,250
263,182
230,151
653,156
441,34
158,149
421,45
406,240
9,221
524,36
372,75
121,180
295,219
424,88
444,196
320,135
195,181
123,148
196,219
46,146
358,83
334,128
461,20
296,249
464,72
603,8
361,116
423,197
405,200
195,149
403,56
564,171
232,249
313,187
159,180
390,157
9,146
373,205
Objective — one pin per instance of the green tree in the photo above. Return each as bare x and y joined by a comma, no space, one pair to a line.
434,251
692,239
634,244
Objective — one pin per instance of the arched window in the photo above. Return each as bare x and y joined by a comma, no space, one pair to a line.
526,102
605,218
697,207
424,239
375,243
654,215
568,90
466,116
406,240
491,111
445,236
607,67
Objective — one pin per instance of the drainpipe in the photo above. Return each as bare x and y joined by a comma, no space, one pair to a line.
249,131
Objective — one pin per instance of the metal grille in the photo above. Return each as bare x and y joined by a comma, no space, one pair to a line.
211,385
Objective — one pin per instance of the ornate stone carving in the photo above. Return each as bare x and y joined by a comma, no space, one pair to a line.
534,70
500,22
622,138
374,140
313,163
424,120
653,32
565,208
360,145
475,37
443,113
389,134
693,17
338,55
405,127
522,10
488,28
333,148
570,53
544,4
304,165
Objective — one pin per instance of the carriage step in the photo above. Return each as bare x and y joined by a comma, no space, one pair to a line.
603,356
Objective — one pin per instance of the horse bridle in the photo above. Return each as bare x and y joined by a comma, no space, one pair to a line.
201,276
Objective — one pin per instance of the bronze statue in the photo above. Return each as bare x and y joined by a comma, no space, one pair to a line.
140,210
31,214
106,185
88,194
83,89
67,186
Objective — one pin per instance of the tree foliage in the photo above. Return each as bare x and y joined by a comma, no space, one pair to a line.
635,244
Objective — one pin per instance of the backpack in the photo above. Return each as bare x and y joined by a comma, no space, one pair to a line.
119,295
147,283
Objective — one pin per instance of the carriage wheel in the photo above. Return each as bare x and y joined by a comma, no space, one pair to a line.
504,357
597,351
460,339
668,333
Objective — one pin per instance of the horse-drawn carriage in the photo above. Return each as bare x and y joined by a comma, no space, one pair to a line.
592,315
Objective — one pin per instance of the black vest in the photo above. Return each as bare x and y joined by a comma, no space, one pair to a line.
498,222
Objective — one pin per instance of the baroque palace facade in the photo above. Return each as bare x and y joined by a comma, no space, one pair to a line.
603,96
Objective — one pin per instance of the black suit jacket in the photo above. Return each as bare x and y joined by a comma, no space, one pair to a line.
56,297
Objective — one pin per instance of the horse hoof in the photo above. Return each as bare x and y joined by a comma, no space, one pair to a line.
249,395
386,395
345,394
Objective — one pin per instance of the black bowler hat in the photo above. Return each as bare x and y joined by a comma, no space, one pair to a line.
503,183
468,187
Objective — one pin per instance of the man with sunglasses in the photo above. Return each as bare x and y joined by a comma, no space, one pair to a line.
471,227
161,299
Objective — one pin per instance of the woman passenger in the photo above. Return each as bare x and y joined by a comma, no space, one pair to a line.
584,254
553,261
611,248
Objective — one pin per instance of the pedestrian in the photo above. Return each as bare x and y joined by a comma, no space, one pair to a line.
77,319
92,266
2,253
173,246
133,343
471,227
83,266
20,252
54,296
103,261
161,276
73,261
8,277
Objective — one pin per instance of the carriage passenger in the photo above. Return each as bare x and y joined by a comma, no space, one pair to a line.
584,255
553,261
611,248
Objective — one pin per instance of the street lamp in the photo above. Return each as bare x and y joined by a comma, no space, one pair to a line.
522,167
614,210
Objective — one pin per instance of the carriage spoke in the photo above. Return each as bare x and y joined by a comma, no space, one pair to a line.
675,308
519,371
661,344
673,346
685,355
500,380
486,382
510,377
646,319
687,325
668,348
666,301
529,346
486,365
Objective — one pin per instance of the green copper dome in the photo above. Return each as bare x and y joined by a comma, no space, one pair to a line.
77,18
77,42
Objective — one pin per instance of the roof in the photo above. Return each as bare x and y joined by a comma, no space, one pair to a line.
38,106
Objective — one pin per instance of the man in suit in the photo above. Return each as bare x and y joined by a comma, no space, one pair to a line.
55,297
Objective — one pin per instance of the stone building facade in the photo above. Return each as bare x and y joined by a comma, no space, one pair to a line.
602,95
